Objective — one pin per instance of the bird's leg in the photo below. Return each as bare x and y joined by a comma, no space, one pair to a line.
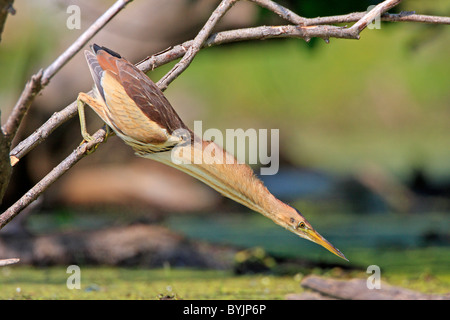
85,99
80,103
109,132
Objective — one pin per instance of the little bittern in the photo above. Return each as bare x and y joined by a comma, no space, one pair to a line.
139,113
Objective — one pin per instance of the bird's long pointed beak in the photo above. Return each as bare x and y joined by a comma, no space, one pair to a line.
314,236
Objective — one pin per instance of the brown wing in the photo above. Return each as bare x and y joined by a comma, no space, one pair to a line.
143,91
96,71
134,107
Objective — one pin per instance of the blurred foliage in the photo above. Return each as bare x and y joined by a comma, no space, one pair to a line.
25,49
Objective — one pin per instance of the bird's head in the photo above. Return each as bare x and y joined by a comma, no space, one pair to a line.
294,221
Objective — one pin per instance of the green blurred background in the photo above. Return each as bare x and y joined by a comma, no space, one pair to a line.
364,145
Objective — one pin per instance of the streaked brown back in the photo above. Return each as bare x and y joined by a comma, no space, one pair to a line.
143,91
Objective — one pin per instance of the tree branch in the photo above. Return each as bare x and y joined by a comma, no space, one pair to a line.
196,44
376,12
412,17
5,166
32,88
43,132
5,262
389,17
281,11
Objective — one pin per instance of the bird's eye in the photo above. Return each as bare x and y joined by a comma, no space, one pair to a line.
301,225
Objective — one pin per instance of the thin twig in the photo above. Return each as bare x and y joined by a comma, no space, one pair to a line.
197,44
43,132
281,11
388,17
412,17
8,132
5,166
376,12
32,88
287,31
5,262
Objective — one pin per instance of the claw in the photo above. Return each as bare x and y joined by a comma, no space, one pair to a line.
86,139
92,150
86,136
109,132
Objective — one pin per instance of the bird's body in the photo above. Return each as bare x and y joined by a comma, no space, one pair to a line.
138,112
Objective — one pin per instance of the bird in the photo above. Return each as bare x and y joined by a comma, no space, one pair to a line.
136,110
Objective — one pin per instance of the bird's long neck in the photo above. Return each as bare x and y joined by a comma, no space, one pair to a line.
209,163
